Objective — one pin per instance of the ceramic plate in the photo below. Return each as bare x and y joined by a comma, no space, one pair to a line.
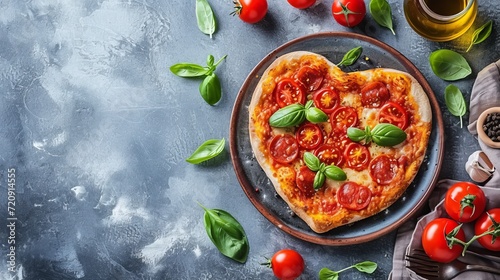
258,187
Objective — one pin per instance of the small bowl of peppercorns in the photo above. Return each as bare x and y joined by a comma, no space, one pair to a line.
488,127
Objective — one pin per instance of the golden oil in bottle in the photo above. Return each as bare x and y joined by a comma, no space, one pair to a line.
440,20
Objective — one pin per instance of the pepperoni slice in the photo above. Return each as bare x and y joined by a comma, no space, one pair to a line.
284,148
305,181
326,99
310,77
309,136
328,202
393,113
374,94
357,156
329,154
383,169
343,117
288,92
354,196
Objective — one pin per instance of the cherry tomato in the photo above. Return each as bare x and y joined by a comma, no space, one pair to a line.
348,12
284,148
343,117
301,4
383,169
329,154
374,94
288,92
354,196
326,100
464,202
393,113
309,136
287,264
310,77
435,243
357,156
250,11
483,224
305,181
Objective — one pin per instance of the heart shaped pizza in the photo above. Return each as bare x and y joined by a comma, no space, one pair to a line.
338,147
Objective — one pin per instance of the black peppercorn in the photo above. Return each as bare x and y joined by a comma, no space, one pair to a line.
491,126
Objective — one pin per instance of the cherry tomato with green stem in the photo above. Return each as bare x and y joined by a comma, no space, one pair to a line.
250,11
464,202
287,264
301,4
487,228
437,240
348,13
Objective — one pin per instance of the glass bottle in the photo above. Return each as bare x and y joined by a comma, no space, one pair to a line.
440,20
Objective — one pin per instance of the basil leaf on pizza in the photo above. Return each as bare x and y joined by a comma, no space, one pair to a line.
335,173
335,145
290,115
312,161
383,134
386,134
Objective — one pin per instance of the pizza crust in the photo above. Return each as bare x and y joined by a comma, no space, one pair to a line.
323,223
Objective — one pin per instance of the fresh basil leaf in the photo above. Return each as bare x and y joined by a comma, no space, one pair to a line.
210,89
351,56
386,135
208,150
455,102
188,70
311,161
210,60
449,65
481,34
226,234
291,115
315,115
381,13
356,134
328,274
335,173
319,180
205,17
366,267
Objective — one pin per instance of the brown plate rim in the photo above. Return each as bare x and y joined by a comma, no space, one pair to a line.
317,238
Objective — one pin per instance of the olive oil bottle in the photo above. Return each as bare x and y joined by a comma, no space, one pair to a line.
440,20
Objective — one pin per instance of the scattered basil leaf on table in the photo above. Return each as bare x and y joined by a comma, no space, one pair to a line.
210,88
383,134
449,65
382,13
481,34
208,150
351,56
226,234
455,102
205,17
189,70
322,170
295,114
365,267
